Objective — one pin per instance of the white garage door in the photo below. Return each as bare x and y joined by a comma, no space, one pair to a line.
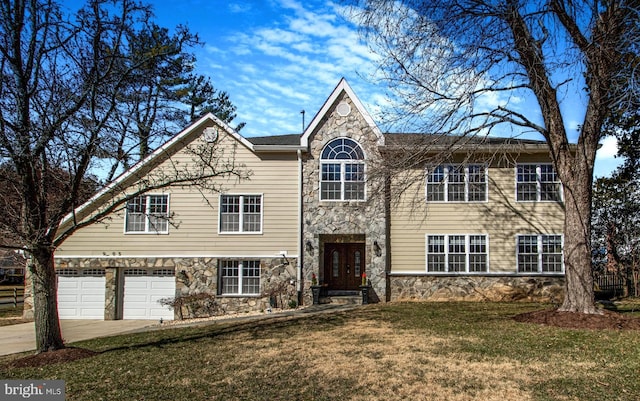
142,291
81,294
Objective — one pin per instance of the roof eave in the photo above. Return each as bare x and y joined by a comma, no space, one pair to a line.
480,148
279,148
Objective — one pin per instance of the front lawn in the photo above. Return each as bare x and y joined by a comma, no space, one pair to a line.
401,351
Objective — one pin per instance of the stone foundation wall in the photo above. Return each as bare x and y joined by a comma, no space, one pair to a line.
277,280
193,276
478,288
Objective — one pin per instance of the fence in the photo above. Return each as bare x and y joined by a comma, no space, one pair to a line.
11,297
610,283
11,276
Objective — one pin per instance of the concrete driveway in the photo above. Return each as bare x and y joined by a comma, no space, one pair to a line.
22,337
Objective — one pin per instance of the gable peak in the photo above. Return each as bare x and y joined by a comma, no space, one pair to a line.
342,89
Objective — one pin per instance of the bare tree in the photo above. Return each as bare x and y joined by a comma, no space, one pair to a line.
462,67
161,95
61,77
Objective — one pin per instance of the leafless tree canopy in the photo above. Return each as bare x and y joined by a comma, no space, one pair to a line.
466,67
62,78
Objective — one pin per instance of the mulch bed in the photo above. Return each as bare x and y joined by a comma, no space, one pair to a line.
47,358
608,320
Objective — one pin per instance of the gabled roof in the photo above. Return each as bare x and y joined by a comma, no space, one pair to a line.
169,148
275,140
438,142
398,139
342,86
276,143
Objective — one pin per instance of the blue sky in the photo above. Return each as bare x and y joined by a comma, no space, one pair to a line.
275,58
278,57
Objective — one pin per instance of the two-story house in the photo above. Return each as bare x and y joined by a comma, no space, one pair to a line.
329,206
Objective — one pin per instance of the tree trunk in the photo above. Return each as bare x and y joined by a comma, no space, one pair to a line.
45,301
627,289
579,295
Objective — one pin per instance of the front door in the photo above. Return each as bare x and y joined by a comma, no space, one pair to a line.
343,265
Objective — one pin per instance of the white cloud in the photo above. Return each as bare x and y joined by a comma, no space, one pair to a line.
283,90
239,7
278,35
283,65
306,47
249,69
606,160
241,45
609,148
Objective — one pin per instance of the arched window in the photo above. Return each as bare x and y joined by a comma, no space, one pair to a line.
342,171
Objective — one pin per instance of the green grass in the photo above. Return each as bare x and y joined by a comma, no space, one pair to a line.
629,306
443,351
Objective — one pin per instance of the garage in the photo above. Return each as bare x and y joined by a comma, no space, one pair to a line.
142,291
81,293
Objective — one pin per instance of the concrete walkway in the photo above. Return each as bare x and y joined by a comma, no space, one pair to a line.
22,337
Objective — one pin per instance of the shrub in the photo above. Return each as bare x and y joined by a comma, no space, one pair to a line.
196,305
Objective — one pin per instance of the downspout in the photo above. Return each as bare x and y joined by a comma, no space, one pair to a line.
300,230
387,226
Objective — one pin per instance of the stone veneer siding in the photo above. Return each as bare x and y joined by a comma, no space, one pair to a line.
341,221
193,276
478,288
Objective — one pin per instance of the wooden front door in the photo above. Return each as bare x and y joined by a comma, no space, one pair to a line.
343,265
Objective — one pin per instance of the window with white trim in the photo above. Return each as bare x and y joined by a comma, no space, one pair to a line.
457,183
537,182
148,214
240,214
238,277
457,253
539,254
342,171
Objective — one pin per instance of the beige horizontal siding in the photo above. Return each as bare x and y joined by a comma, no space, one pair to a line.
501,218
196,216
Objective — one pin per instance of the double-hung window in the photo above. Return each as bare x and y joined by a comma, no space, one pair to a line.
539,254
240,213
148,214
239,277
342,171
457,253
537,182
457,183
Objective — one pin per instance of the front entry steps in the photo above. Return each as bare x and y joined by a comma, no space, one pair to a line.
341,298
